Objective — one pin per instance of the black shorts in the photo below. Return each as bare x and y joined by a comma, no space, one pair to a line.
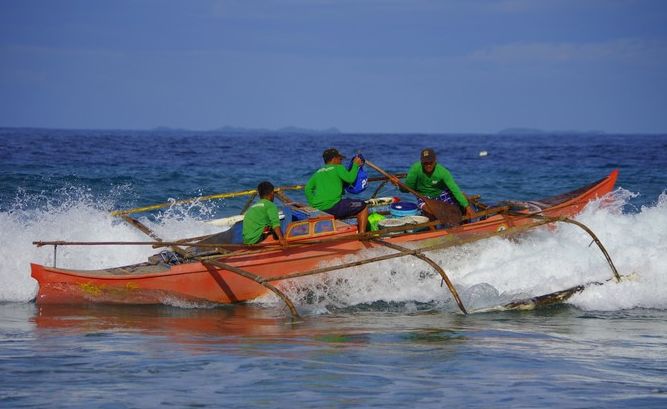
347,208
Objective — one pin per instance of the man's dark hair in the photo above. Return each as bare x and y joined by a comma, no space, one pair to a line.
264,189
331,153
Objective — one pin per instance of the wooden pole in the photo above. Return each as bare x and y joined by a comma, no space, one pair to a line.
248,202
257,279
216,196
144,229
258,248
283,197
597,241
197,199
433,264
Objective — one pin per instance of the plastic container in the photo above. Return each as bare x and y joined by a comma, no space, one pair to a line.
383,224
416,219
401,209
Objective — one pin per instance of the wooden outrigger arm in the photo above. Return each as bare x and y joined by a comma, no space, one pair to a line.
433,264
597,241
264,282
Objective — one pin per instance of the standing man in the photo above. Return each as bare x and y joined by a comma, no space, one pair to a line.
262,218
324,189
434,181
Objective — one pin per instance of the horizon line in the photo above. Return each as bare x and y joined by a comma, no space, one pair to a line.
336,131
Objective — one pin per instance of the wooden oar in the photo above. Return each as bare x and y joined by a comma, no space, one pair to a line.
448,214
216,196
198,199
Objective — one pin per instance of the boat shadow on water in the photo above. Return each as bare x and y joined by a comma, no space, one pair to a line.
240,323
204,329
160,320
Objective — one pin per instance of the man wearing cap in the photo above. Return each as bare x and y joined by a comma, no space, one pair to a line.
434,181
324,189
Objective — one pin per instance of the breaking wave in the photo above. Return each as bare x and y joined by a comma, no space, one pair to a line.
496,271
486,273
73,214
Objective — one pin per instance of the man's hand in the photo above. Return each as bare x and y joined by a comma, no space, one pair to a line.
358,160
469,212
281,237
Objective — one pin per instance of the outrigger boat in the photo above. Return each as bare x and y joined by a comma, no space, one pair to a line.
208,270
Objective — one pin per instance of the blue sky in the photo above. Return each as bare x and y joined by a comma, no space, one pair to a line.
361,66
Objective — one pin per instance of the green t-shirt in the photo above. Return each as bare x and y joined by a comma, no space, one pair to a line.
260,215
432,186
325,188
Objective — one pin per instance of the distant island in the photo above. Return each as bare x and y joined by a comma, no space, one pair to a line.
294,130
286,129
533,131
240,130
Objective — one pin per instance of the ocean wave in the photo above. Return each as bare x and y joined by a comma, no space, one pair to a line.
486,273
496,271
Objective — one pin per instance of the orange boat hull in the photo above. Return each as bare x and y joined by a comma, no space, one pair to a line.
197,282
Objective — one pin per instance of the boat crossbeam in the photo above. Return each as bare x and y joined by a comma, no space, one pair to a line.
433,264
587,229
262,281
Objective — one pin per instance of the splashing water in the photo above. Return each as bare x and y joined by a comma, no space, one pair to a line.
486,273
496,271
76,216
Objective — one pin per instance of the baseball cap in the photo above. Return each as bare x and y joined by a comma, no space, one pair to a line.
427,155
331,153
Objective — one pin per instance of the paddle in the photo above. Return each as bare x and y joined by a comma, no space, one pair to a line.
448,214
216,196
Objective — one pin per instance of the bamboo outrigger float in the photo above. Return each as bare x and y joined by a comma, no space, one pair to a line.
202,269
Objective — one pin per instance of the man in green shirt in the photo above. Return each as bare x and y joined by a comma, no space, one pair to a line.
324,189
434,181
262,218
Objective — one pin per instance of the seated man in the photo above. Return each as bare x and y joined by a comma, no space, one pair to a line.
262,218
324,189
434,181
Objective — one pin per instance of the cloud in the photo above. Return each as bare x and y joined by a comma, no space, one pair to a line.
56,52
621,50
303,9
523,6
546,6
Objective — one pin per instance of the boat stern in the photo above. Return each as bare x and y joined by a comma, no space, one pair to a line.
65,287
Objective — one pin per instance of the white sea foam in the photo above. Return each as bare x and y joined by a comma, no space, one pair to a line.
76,217
496,271
486,273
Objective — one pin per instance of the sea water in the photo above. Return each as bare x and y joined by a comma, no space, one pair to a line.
379,335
